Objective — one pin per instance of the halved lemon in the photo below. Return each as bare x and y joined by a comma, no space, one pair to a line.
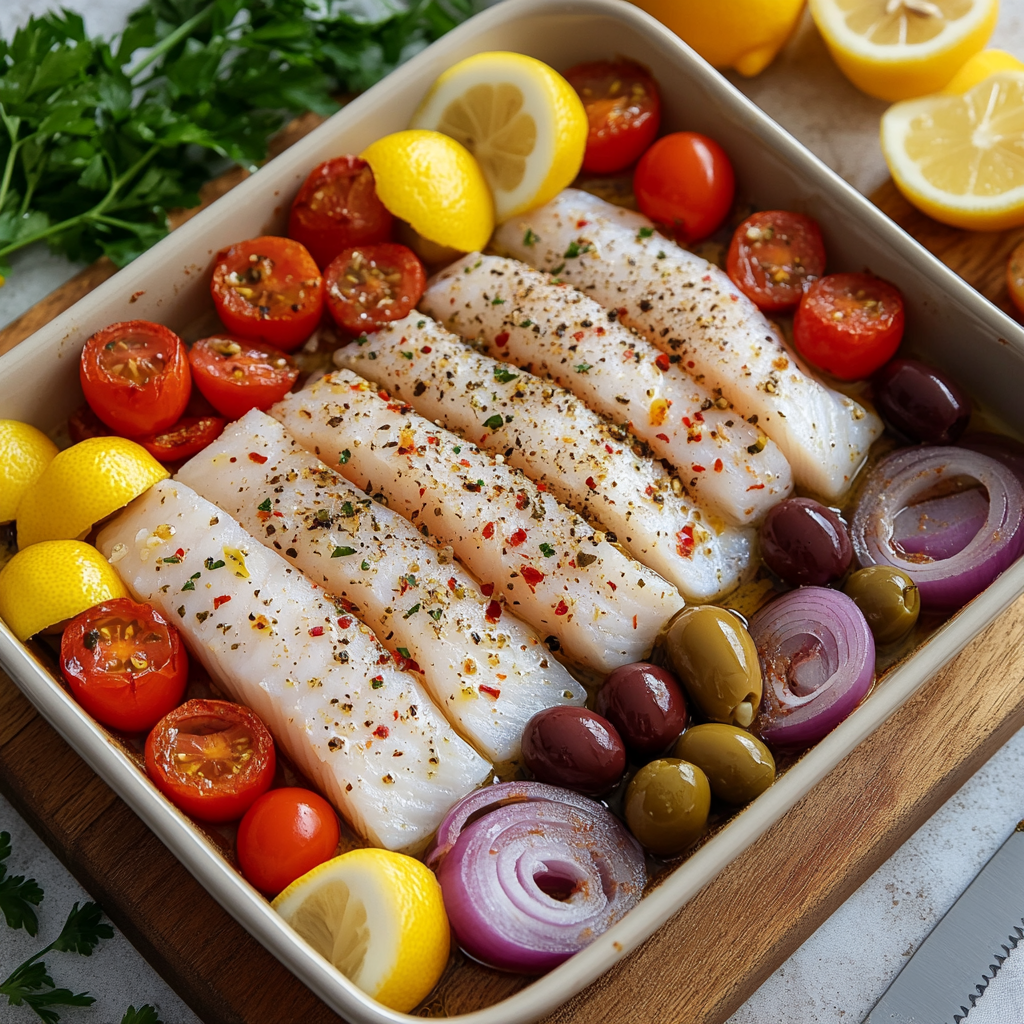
24,453
521,119
83,485
378,917
897,49
959,158
979,67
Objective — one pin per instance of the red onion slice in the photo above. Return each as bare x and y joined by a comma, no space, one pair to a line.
941,527
538,877
818,659
945,583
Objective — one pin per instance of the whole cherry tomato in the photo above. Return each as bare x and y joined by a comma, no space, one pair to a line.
189,436
685,181
211,758
849,324
135,377
370,285
236,375
268,289
337,208
286,833
125,664
774,255
623,108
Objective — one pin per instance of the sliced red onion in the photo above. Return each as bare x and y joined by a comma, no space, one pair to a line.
903,481
999,447
941,527
541,874
818,659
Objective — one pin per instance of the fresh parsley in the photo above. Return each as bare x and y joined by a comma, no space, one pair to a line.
18,895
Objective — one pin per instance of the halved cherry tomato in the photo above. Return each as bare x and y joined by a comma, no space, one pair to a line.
211,758
370,285
189,436
623,108
774,256
337,208
685,180
83,423
125,664
135,376
237,375
849,324
269,289
286,833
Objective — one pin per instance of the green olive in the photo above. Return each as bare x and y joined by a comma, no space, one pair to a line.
667,805
739,766
889,599
716,661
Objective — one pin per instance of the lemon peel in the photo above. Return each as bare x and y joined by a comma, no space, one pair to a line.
980,67
24,453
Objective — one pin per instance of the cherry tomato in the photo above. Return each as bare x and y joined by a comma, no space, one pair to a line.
370,285
623,108
125,664
135,376
774,255
189,436
849,324
236,375
286,833
1015,277
83,423
686,181
268,289
337,208
211,758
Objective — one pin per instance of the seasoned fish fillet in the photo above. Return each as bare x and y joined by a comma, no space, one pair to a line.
364,731
482,666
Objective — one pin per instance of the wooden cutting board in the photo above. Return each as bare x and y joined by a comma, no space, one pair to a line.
762,906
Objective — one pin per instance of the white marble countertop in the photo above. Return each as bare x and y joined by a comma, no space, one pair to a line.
842,969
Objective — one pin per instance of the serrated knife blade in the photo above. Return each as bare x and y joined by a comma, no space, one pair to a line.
951,968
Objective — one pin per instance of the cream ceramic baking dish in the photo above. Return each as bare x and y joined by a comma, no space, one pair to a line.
948,322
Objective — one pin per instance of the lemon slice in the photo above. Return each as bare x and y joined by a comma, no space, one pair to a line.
957,158
53,581
979,67
897,49
378,917
83,485
24,453
522,121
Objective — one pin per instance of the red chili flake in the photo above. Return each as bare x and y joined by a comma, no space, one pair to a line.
487,589
561,608
384,658
488,531
648,490
608,449
280,515
578,336
699,417
582,223
517,538
406,665
622,311
218,601
686,421
465,463
531,576
591,484
706,278
690,364
522,500
431,440
542,487
381,732
426,350
718,465
662,363
684,542
599,330
634,622
735,298
423,491
316,631
345,603
756,487
256,457
344,622
628,354
696,468
394,716
612,585
180,552
383,394
493,612
661,437
501,340
452,583
491,691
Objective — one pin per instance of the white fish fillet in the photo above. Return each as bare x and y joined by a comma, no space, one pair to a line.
602,608
362,730
484,668
554,438
688,307
516,314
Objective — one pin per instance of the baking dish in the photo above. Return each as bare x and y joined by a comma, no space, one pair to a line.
948,323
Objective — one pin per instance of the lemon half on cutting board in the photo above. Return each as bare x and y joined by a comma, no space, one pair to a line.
522,121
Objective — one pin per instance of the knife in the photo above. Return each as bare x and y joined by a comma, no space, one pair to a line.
954,965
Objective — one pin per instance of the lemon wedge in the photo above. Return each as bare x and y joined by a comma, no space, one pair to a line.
979,67
24,453
522,121
898,49
957,158
378,917
82,485
53,581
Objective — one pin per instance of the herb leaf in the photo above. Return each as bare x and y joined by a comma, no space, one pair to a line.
18,895
145,1014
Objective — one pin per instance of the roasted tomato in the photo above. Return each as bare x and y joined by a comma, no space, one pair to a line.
686,182
774,256
337,208
211,758
286,833
236,375
125,664
83,423
849,324
624,110
269,289
135,377
370,285
189,436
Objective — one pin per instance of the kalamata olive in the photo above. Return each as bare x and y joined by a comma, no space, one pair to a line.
667,804
805,543
647,707
889,600
575,748
738,765
921,402
716,662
